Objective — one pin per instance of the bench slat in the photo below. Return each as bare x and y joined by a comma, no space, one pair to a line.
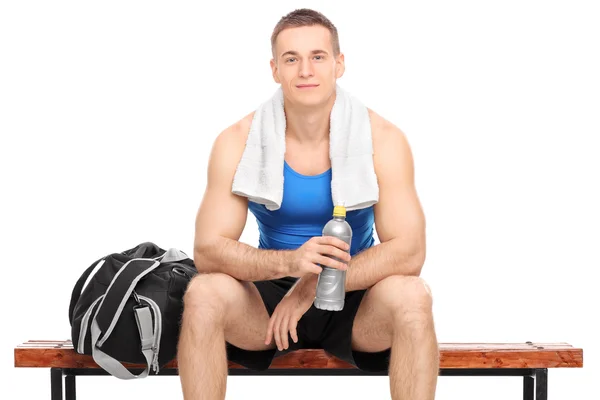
60,354
448,346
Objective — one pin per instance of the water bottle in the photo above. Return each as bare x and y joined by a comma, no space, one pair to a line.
331,284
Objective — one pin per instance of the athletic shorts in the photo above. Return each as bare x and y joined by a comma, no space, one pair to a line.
317,329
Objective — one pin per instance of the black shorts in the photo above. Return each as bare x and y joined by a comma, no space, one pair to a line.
317,329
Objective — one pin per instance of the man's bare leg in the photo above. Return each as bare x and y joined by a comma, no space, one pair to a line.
217,307
414,359
397,312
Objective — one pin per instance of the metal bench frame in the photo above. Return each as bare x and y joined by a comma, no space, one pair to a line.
535,380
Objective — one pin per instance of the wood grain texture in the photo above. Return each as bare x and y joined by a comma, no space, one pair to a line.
60,354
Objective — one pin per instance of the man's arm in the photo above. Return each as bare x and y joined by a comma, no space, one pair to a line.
222,215
399,218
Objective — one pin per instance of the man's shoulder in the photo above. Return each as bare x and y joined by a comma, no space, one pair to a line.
382,131
238,131
391,149
228,147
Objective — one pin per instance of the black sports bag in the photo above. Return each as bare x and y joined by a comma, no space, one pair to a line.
130,308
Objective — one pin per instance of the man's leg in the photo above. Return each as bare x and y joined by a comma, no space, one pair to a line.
217,308
397,312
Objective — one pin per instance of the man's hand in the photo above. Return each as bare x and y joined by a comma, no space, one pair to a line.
328,251
290,310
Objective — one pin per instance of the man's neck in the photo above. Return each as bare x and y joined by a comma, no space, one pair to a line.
308,125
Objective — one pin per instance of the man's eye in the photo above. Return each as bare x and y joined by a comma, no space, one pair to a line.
293,58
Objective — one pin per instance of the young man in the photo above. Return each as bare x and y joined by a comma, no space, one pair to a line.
250,304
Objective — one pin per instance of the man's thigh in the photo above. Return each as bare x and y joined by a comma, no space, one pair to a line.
246,318
372,329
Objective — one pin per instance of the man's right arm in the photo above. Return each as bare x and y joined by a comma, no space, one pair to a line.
222,215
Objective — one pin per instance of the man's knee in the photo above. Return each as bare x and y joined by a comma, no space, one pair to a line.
210,294
406,294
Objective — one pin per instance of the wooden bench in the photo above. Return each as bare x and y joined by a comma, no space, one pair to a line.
529,360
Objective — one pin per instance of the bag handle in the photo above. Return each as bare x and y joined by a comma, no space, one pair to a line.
144,250
78,286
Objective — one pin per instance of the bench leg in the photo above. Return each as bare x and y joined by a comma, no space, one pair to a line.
56,391
536,384
541,384
70,387
528,387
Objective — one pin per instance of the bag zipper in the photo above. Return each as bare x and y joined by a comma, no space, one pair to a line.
157,331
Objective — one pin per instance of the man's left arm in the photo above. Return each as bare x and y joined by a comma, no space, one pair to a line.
399,218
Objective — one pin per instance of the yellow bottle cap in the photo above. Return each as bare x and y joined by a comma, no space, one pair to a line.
339,211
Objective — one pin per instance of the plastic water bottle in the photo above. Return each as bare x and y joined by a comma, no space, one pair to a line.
331,285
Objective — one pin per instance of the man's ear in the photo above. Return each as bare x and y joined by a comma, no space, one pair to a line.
274,71
340,66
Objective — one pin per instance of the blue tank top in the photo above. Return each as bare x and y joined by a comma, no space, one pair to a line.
305,209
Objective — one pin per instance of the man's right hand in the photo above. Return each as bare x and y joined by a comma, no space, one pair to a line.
315,251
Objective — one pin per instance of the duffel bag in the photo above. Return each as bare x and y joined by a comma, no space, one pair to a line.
126,308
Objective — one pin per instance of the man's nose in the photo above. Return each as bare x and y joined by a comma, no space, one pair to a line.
306,69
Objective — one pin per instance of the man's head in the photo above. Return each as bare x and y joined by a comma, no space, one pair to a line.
306,51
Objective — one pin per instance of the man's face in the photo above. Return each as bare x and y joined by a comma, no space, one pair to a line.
304,56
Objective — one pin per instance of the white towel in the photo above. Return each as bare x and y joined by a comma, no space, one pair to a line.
259,175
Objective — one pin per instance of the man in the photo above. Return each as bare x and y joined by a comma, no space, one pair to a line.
251,304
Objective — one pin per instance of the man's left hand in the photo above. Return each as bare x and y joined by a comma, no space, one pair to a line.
290,310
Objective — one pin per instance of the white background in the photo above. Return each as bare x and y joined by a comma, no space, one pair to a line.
108,111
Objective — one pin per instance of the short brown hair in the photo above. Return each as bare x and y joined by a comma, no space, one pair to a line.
305,17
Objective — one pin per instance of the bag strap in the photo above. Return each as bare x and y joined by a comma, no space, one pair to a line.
109,311
143,249
122,285
119,290
113,366
78,286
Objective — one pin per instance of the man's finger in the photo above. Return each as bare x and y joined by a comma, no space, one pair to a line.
276,332
316,270
285,323
333,241
293,332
